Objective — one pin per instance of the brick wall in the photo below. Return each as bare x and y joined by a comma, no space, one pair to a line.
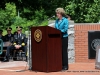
81,41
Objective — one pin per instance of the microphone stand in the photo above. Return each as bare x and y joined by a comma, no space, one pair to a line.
30,66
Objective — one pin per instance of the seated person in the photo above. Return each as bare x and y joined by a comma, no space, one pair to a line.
8,38
9,35
19,42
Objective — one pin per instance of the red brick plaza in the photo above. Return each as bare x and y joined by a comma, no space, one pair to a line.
74,69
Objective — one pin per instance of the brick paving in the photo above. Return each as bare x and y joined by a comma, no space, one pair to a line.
74,69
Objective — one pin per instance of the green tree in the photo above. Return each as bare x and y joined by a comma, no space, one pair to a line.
84,11
10,17
80,10
7,16
27,8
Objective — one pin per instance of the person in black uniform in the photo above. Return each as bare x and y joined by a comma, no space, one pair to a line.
19,43
9,35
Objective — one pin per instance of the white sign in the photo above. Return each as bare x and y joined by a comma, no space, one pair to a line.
99,55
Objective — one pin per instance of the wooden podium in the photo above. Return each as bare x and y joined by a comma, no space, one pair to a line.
46,49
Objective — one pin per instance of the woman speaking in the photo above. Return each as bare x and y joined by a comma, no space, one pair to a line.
62,25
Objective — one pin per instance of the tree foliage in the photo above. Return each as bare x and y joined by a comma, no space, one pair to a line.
84,11
34,13
27,8
10,17
7,15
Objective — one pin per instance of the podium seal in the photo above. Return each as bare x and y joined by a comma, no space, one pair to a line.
38,35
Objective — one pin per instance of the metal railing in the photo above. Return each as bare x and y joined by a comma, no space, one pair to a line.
1,46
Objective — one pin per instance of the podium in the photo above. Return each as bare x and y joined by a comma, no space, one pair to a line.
46,48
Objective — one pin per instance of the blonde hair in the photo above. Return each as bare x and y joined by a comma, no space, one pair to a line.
61,11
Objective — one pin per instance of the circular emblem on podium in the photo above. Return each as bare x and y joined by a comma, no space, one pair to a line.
38,35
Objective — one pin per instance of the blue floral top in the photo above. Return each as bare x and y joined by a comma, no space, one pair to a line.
62,25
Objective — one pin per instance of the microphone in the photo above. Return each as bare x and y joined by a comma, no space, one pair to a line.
51,17
29,27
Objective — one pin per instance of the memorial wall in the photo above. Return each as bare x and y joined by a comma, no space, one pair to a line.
86,40
81,43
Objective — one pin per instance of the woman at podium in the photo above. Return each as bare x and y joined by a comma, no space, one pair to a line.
62,25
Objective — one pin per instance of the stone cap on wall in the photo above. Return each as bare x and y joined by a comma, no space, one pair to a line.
51,23
86,23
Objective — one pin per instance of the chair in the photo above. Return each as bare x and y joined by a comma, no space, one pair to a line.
19,55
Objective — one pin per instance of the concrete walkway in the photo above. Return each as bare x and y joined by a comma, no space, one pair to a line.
12,64
19,68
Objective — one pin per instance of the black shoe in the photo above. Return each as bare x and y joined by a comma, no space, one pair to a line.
65,68
6,59
26,59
